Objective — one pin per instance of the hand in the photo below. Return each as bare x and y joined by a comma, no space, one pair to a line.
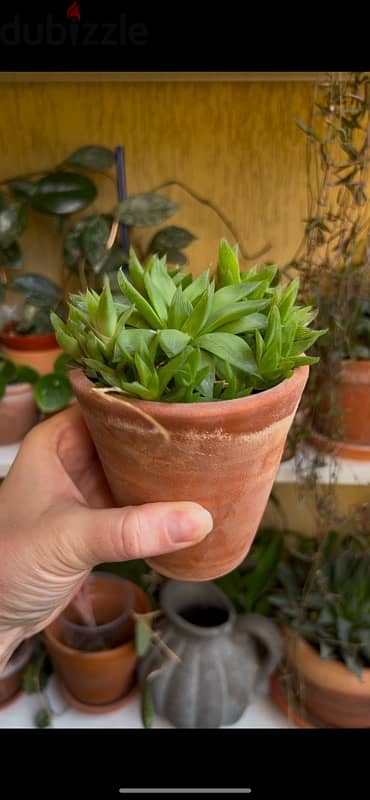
57,523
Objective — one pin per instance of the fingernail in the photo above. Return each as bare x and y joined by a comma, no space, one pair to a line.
184,526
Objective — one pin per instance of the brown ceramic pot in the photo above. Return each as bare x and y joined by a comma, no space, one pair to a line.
18,413
223,455
346,405
39,352
326,689
11,677
97,678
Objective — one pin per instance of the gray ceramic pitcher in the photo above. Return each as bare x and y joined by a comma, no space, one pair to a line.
225,659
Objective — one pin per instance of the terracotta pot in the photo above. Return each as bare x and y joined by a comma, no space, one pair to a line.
11,677
327,689
345,406
224,455
18,413
97,678
39,352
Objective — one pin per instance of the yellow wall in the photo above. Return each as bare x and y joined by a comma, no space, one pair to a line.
235,143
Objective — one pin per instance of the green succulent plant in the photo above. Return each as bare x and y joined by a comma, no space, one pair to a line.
166,336
331,610
51,392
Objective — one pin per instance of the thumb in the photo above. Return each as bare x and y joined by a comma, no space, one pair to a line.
121,534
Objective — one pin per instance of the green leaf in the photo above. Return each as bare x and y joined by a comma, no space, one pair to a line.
11,256
179,310
43,718
170,238
61,364
94,237
21,189
231,349
161,280
72,245
273,342
288,299
173,342
12,223
94,157
145,309
169,370
147,709
63,193
247,324
232,313
106,314
129,339
199,316
228,264
156,294
42,291
66,342
143,636
136,272
52,393
194,290
26,375
230,294
147,208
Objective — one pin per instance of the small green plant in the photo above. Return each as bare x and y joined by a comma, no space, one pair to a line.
248,587
169,337
35,678
325,598
51,392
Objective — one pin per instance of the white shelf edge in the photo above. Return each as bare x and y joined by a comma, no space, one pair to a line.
343,471
7,456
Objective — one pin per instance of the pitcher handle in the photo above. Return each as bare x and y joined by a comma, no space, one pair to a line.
265,632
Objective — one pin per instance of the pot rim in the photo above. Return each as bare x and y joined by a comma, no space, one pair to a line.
327,673
27,342
14,389
197,630
127,647
196,410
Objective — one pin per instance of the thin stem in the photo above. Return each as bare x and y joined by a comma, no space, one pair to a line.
228,224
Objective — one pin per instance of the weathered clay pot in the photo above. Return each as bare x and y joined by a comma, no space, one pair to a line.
18,413
11,677
225,659
327,689
39,352
223,455
97,678
346,406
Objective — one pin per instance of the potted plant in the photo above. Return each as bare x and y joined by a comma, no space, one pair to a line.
333,262
24,394
323,602
189,391
92,643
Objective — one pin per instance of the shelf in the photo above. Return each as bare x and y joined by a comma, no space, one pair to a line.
342,471
261,714
169,76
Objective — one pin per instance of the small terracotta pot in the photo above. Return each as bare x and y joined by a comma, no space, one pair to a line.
327,689
223,455
18,413
11,677
348,400
97,678
39,352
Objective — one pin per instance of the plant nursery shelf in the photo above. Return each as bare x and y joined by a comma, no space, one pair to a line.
21,714
343,471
